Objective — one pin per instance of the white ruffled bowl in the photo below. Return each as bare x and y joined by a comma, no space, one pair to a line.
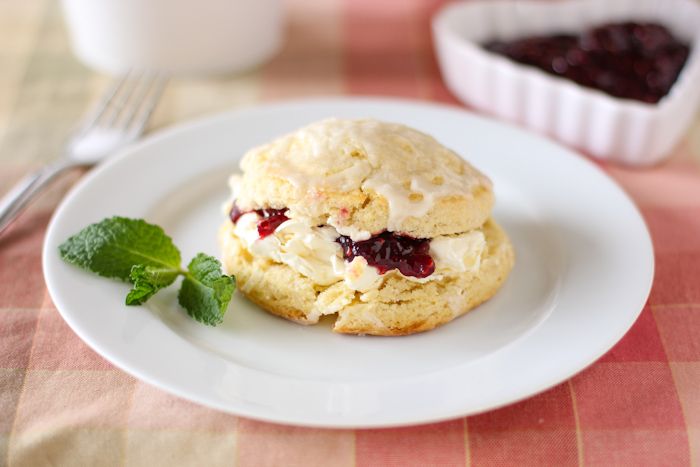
620,130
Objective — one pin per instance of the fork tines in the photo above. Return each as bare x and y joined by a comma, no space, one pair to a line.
128,104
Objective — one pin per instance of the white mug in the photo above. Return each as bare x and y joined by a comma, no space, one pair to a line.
182,37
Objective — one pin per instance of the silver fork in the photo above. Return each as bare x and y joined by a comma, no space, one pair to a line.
118,119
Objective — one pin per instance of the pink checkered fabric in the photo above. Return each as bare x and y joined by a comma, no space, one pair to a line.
61,404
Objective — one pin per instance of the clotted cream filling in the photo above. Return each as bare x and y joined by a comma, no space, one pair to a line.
313,252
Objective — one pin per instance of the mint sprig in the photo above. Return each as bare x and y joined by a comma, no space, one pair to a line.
205,292
147,281
135,251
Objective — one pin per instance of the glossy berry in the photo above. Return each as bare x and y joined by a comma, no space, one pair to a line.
388,251
236,213
269,220
639,61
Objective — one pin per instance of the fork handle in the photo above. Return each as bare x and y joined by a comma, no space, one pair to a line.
12,204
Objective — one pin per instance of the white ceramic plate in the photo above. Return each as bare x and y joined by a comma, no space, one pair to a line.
583,272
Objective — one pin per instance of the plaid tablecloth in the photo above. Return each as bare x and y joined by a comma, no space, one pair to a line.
61,404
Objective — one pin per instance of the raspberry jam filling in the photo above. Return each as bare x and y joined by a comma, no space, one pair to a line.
639,61
385,251
388,251
269,220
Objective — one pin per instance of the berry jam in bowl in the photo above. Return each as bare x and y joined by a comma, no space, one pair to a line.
617,83
639,61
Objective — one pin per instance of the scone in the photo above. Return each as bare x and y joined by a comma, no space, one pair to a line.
375,222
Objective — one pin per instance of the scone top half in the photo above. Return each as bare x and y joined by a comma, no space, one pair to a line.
364,177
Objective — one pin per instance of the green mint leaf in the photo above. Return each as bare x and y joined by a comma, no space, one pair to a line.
113,246
147,281
205,291
141,253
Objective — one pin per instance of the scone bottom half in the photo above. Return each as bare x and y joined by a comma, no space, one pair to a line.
394,264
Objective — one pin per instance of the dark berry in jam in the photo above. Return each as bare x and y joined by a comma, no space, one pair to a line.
388,251
236,213
269,220
639,61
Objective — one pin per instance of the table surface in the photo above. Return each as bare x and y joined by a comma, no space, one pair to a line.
61,404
